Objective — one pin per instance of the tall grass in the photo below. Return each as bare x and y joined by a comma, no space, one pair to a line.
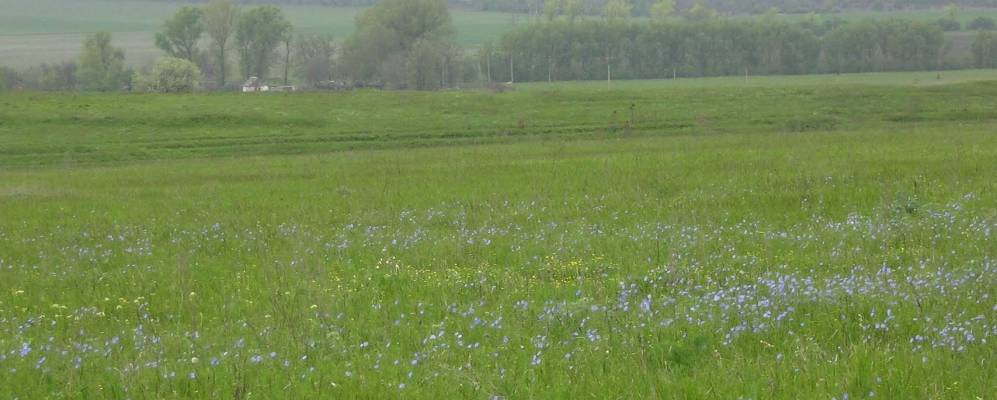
738,257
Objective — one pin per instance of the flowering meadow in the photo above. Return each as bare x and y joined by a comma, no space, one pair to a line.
827,264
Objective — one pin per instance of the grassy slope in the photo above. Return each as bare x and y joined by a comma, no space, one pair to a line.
44,129
532,258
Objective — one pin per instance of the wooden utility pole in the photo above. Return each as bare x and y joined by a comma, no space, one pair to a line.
609,72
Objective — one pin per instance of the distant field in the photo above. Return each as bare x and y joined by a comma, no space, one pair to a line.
789,238
37,31
922,78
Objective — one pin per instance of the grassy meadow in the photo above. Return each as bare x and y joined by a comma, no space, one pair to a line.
705,239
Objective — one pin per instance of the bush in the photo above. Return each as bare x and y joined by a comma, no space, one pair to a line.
174,75
985,50
982,24
949,24
8,79
102,66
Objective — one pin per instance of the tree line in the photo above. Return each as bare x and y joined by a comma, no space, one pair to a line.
586,50
644,7
564,47
398,43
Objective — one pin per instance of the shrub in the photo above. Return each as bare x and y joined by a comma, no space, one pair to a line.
102,66
985,50
174,75
982,24
949,24
8,78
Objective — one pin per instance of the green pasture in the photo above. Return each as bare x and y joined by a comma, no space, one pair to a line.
41,129
811,239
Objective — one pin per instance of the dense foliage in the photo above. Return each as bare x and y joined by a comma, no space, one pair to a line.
403,42
593,50
982,23
313,58
220,20
985,50
102,66
181,33
259,33
8,78
174,75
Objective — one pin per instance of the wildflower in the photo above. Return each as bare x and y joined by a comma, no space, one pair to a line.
645,305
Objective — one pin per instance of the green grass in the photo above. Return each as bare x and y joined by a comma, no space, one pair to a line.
964,16
84,129
803,240
922,78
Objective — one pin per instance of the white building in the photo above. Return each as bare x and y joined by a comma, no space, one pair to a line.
254,84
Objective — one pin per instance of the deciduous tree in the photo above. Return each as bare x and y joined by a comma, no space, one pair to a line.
259,33
220,18
313,58
174,75
102,66
662,9
181,33
389,31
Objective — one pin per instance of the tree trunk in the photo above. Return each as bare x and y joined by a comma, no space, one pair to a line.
221,66
443,83
550,69
480,75
609,75
609,69
287,62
